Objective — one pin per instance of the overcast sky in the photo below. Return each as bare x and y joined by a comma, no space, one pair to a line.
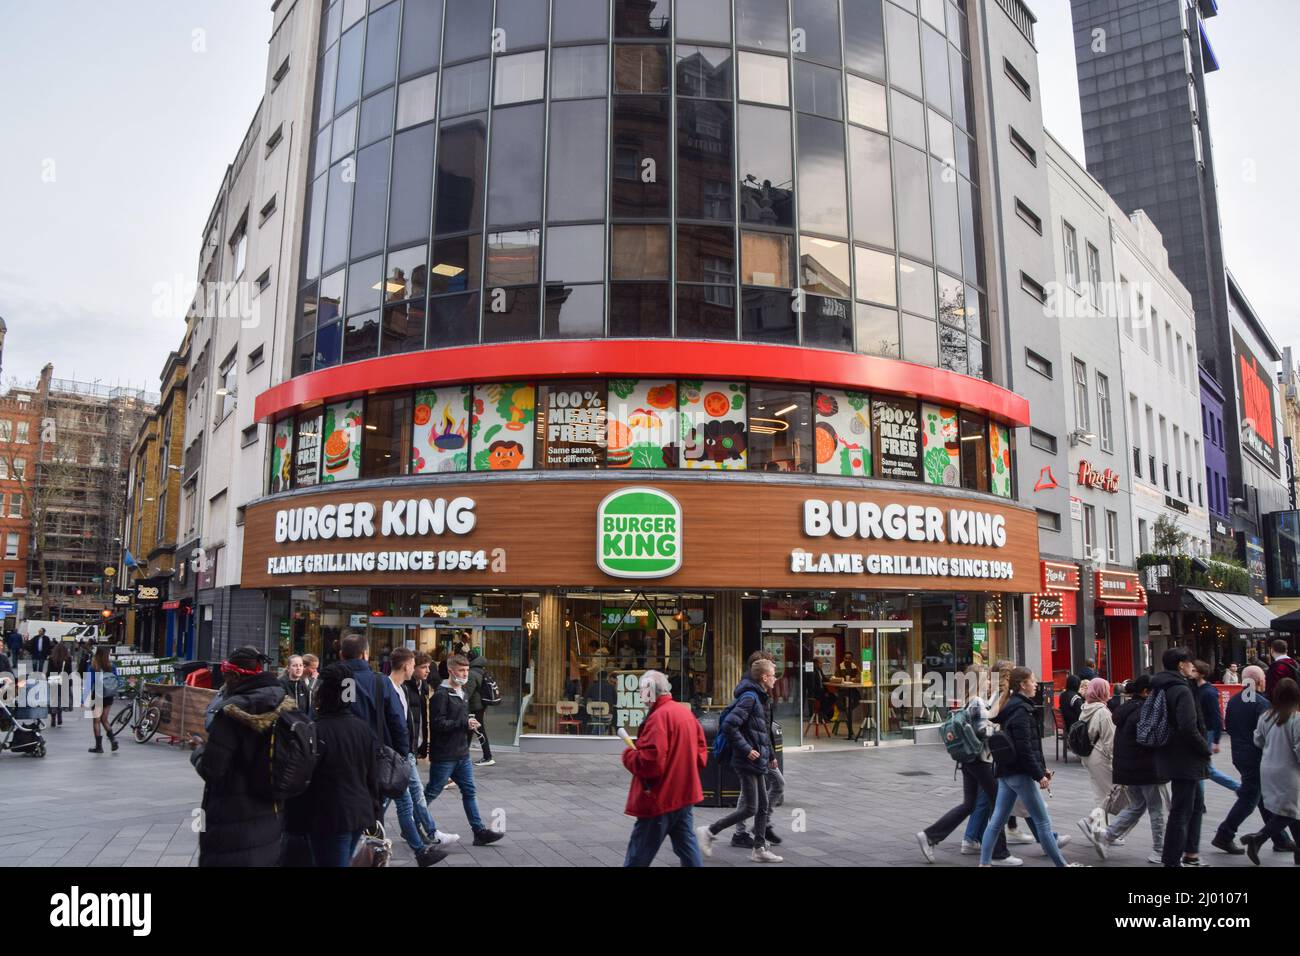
119,120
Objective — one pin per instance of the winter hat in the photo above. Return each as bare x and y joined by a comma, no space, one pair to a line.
245,660
1098,691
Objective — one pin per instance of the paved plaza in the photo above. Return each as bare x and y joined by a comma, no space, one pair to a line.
843,808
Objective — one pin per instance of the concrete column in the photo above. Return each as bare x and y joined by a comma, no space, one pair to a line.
551,668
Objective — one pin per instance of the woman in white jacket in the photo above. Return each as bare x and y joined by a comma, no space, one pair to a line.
1101,731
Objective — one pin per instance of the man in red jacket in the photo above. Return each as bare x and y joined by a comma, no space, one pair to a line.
1283,666
665,766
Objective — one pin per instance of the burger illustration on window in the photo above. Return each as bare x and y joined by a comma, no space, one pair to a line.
338,451
505,455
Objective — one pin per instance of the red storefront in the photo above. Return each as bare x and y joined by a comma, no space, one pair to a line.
1055,610
1121,601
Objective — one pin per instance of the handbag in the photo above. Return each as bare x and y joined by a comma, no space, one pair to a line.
1117,801
392,773
373,849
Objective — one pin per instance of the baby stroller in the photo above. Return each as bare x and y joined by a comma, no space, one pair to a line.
21,734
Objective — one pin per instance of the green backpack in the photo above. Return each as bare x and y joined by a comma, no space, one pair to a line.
960,739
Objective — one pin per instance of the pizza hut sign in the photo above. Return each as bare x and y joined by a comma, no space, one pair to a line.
1106,480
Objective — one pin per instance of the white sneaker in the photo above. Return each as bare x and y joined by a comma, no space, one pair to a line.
451,785
1118,841
1009,861
1019,835
1077,864
1156,858
764,856
927,849
705,838
1095,836
485,762
445,839
1063,840
970,847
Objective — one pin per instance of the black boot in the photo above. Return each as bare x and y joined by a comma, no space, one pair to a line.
99,746
112,742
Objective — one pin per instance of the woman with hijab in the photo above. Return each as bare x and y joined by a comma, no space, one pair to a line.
1101,732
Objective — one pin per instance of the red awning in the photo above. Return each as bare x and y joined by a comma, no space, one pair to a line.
1122,608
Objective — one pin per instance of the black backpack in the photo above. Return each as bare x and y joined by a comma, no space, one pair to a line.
1079,739
489,691
293,754
1154,728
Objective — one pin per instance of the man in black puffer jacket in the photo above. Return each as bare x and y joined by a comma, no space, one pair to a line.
241,825
1185,760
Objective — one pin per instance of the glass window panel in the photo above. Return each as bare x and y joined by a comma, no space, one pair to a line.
328,71
574,311
417,100
460,174
704,20
817,90
864,37
329,345
952,301
822,197
764,79
520,78
706,254
947,228
957,70
385,441
824,267
641,68
704,173
407,275
455,265
819,21
575,254
345,136
975,320
347,88
381,49
873,206
639,252
875,272
469,29
977,358
780,429
640,178
576,173
465,88
376,118
571,419
515,180
580,20
952,349
321,157
916,287
642,18
331,296
920,343
765,170
941,142
304,350
361,337
421,36
767,315
337,212
766,259
333,22
512,315
828,323
909,119
876,330
938,90
315,228
371,203
867,103
932,11
365,282
512,258
904,49
639,310
972,247
957,28
453,320
706,312
578,71
353,10
305,320
974,453
911,189
764,24
703,71
524,22
408,208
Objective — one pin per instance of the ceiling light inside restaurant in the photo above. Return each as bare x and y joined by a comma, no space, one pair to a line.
443,269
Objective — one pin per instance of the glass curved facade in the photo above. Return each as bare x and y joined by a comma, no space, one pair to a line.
784,171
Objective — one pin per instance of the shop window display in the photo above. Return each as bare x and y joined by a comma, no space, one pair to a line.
642,424
440,430
341,446
501,426
941,445
713,421
843,433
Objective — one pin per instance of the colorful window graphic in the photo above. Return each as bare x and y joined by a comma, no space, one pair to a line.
282,456
941,442
306,452
341,448
713,422
642,423
1000,460
501,426
897,429
440,436
842,435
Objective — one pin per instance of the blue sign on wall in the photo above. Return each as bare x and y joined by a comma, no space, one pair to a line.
8,607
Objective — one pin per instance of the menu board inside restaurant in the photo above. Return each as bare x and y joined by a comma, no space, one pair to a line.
571,424
896,427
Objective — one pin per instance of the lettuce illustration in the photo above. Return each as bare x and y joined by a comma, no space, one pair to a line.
937,461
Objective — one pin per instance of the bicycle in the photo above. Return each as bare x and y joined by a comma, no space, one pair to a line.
142,715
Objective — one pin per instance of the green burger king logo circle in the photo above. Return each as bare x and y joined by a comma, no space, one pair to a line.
639,534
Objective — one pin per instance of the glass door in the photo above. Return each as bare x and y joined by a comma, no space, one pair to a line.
502,648
789,705
892,683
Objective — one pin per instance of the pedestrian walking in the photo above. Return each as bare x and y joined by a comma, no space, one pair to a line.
14,642
474,694
342,800
102,685
413,816
1184,759
1088,671
1071,702
241,823
1230,675
40,647
1099,761
294,682
774,780
419,691
1020,768
1243,714
1283,666
665,764
450,723
1208,696
1278,736
60,683
1134,768
749,748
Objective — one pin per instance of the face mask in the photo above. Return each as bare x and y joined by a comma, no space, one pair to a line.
460,681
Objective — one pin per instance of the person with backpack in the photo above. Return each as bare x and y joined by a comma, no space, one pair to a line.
746,741
665,763
242,824
774,781
1283,666
1173,723
966,735
1020,768
413,817
1093,738
1243,713
1208,695
474,691
1070,704
101,686
1278,736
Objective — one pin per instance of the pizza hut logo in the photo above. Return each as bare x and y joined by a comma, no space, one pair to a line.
1090,477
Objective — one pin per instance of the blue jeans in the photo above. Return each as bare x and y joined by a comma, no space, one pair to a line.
1218,776
333,849
1009,788
411,808
462,771
648,835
